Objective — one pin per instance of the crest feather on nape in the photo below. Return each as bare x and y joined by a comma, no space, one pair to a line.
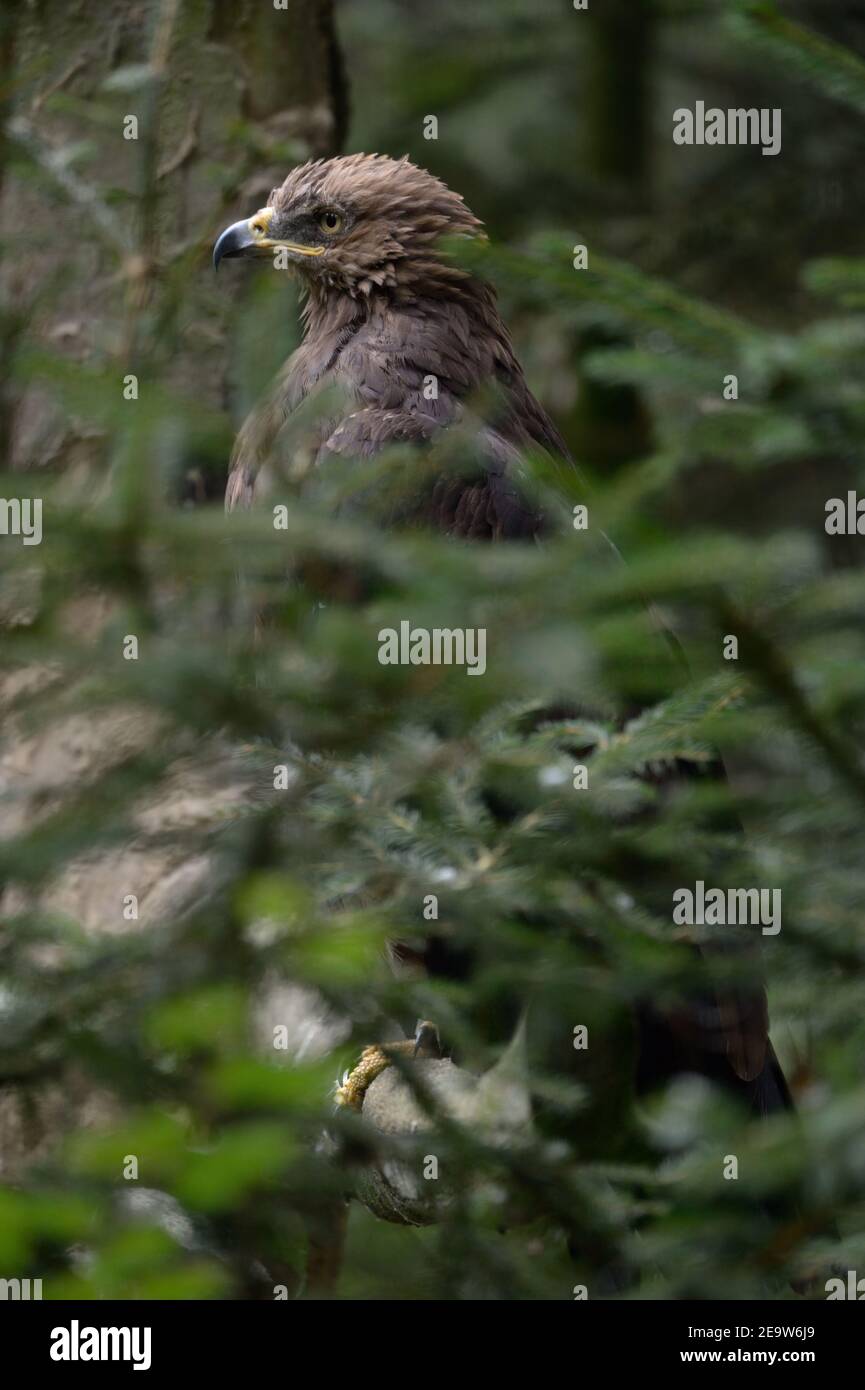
376,184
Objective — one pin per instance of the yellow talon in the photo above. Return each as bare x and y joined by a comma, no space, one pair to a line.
375,1058
373,1061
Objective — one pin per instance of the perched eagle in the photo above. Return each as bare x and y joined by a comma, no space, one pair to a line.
385,312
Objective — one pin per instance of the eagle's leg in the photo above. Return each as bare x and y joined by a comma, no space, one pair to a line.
373,1061
375,1058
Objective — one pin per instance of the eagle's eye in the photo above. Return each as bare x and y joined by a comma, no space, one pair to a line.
329,221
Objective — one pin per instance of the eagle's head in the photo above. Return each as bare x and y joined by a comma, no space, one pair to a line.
358,223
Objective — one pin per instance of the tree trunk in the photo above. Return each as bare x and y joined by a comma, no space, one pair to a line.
107,272
102,231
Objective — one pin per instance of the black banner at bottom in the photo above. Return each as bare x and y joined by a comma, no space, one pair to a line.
82,1339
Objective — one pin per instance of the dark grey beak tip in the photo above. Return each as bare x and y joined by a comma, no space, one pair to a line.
233,242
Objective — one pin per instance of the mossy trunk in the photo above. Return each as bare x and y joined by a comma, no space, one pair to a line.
133,133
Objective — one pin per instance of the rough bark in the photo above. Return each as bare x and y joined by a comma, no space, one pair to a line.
227,96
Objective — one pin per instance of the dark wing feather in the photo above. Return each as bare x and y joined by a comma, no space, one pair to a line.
488,505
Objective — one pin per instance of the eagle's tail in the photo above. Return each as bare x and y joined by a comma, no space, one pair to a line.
770,1093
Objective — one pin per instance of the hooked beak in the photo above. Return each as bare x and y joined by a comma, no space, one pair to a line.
251,238
237,240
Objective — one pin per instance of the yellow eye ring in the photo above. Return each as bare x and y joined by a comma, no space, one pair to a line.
330,221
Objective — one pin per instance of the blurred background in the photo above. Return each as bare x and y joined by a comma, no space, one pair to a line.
206,848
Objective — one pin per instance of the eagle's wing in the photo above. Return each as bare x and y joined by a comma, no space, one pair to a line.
239,488
744,1020
406,373
731,1023
257,436
485,503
